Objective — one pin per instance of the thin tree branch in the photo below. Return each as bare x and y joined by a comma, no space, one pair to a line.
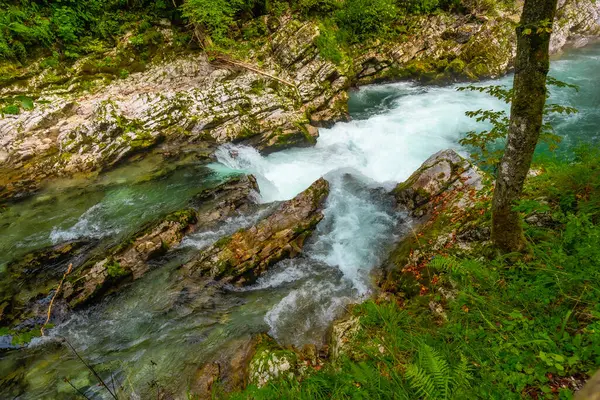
76,389
54,297
114,396
258,71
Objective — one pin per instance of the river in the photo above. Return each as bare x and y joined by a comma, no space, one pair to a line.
147,334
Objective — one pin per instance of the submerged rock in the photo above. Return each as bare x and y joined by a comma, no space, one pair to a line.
230,370
245,255
130,260
205,379
29,279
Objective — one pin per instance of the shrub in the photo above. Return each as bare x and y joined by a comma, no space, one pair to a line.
213,17
328,45
364,18
308,7
66,26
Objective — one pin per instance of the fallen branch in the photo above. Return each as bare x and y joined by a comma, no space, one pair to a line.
53,297
258,71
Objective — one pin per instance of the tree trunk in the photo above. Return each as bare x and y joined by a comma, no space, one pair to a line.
529,98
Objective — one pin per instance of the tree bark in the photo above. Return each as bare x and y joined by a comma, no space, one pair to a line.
531,70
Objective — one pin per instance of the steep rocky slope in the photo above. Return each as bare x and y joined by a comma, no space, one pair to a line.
275,100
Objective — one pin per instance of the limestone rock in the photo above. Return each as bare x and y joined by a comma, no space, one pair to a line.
272,362
342,332
204,380
96,270
246,254
444,171
177,102
576,22
230,369
130,260
189,100
441,195
36,273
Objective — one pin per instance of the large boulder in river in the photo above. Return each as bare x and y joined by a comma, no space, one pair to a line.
447,197
246,254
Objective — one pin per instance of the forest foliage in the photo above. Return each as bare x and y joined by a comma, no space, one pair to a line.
72,28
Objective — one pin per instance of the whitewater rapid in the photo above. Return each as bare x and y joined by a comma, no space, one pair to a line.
362,160
414,123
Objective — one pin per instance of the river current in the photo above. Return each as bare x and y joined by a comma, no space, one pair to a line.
146,333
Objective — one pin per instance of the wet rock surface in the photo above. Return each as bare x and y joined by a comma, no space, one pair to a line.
37,274
130,260
97,272
245,255
230,370
444,172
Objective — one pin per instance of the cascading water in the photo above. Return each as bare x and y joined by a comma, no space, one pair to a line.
161,324
362,160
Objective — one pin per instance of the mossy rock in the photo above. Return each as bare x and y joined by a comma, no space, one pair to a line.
272,362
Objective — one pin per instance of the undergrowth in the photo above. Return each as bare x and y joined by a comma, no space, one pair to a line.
509,327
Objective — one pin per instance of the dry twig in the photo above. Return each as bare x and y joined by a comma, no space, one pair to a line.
53,297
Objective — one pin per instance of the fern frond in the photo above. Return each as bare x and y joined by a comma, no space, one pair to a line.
461,374
447,264
439,370
421,381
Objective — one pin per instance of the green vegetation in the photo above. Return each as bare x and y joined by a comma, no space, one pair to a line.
15,105
504,327
82,45
71,28
115,270
489,145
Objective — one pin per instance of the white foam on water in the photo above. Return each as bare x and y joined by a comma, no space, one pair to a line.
201,240
288,271
89,225
358,224
383,150
386,148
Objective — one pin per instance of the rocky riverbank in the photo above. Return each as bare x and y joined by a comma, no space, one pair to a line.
442,195
275,99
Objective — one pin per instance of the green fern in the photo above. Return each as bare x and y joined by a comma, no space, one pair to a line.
465,269
447,264
433,377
